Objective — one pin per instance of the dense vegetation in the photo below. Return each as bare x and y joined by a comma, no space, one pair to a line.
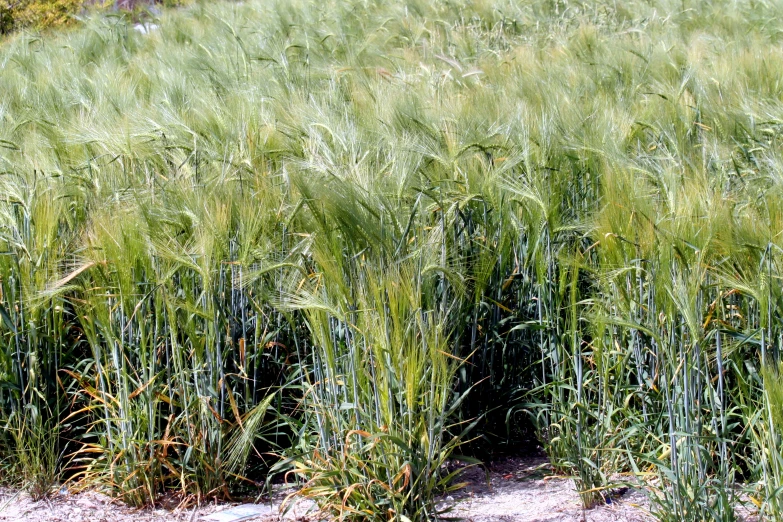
17,15
355,238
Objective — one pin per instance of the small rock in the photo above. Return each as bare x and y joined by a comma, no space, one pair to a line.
237,513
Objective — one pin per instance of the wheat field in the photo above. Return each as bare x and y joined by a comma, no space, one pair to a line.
357,241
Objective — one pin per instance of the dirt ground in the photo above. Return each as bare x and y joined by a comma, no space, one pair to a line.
524,490
513,490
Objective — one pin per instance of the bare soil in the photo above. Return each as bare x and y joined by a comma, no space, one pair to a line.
525,490
511,490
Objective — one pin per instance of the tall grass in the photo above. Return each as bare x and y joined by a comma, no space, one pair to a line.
355,239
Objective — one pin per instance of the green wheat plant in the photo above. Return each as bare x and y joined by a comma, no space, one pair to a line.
356,243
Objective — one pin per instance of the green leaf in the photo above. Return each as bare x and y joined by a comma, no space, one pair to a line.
7,319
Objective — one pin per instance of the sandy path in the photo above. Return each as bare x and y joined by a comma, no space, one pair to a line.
522,490
518,491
